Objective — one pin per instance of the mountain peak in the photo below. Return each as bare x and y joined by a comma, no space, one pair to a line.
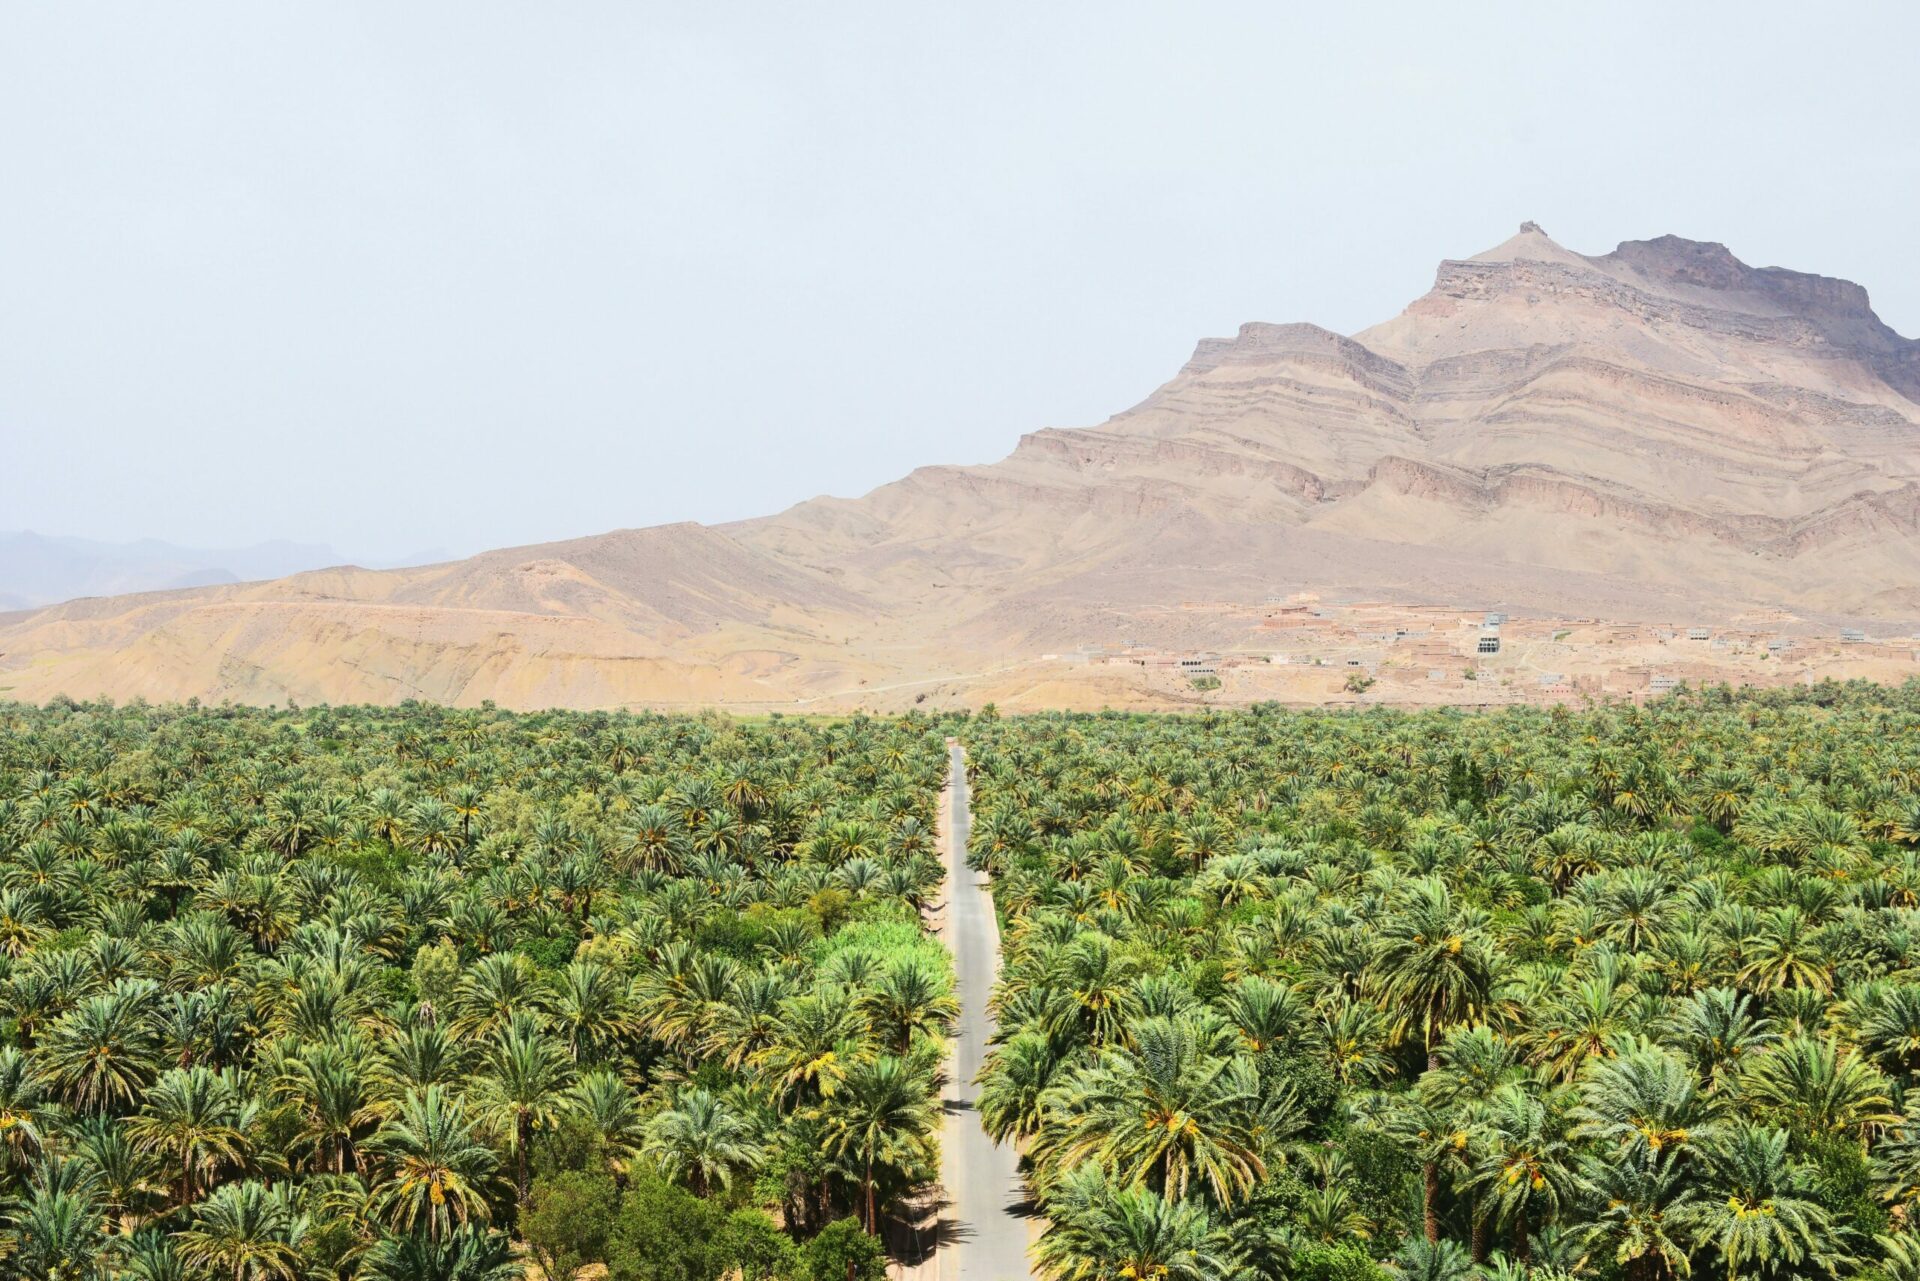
1666,288
1531,244
1704,264
1674,262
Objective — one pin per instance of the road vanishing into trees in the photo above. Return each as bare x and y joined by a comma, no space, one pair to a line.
983,1229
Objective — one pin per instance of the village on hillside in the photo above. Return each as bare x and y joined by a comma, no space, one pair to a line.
1298,649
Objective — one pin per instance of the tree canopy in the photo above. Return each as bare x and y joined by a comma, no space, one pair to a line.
1623,991
354,992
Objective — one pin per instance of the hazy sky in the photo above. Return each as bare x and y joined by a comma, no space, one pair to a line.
401,275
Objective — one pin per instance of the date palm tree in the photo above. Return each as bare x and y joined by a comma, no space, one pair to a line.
1435,968
749,1022
1644,1105
466,1254
1434,1135
1099,978
1757,1208
1173,1114
1523,1167
332,1092
433,1174
245,1231
1582,1023
1198,840
415,1057
653,839
198,1120
1720,1031
1267,1013
1014,1083
1352,1039
1470,1066
592,1011
1422,1259
58,1229
522,1087
1889,1028
26,1112
21,922
683,996
703,1140
1098,1232
1820,1088
1641,1209
132,1183
882,1116
100,1054
1786,952
822,1037
608,1106
151,1255
493,991
911,997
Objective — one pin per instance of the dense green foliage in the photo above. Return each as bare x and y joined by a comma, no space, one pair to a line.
1626,992
427,994
355,992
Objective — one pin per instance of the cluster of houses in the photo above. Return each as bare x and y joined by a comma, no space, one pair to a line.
1489,657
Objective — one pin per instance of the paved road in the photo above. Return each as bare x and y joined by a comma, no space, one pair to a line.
983,1233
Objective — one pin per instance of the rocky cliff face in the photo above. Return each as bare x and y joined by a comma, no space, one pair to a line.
1663,413
1656,428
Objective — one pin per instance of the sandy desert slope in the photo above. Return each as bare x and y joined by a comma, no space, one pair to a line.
1658,433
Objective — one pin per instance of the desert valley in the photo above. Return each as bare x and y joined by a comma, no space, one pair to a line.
1615,449
1427,795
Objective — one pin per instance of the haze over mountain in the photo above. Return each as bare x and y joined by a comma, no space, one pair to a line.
1660,431
41,569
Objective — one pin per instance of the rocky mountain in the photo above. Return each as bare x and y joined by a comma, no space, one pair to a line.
1654,432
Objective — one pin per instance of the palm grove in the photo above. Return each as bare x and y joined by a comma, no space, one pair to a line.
1625,992
417,994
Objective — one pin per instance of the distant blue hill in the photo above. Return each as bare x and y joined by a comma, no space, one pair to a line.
40,569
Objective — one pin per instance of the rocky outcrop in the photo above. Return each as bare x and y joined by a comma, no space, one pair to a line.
1617,432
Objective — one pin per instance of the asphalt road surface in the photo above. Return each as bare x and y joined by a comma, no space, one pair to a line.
983,1232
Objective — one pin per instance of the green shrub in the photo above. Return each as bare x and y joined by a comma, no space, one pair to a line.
548,953
665,1233
436,975
567,1220
754,1244
732,933
842,1252
1345,1261
893,939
